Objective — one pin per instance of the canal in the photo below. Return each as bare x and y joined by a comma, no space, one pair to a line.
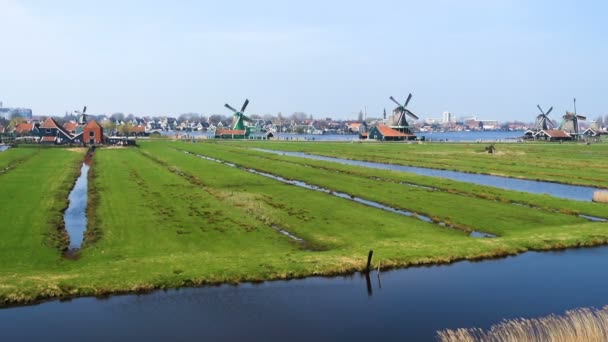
400,305
574,192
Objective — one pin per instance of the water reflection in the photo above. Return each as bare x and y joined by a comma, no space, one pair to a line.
574,192
75,216
412,305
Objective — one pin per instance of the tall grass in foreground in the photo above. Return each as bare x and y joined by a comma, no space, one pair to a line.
600,196
584,325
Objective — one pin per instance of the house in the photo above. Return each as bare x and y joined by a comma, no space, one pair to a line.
25,128
92,133
385,133
354,127
51,132
2,129
230,133
70,127
590,132
553,135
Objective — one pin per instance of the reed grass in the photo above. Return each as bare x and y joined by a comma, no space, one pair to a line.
584,325
600,196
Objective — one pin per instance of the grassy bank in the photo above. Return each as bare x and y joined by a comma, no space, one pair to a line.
570,163
161,218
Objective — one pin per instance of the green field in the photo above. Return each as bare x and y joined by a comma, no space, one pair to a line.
571,163
161,218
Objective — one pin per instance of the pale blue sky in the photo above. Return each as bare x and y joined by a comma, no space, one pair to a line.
492,59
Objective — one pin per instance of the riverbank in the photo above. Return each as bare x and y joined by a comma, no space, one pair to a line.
166,219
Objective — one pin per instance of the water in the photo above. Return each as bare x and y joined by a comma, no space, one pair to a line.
485,136
4,148
401,305
76,215
574,192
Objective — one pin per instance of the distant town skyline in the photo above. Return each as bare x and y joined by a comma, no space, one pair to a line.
495,60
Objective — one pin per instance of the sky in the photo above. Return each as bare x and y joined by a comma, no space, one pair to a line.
493,59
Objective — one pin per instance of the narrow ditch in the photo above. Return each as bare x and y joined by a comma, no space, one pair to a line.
430,188
471,233
288,234
75,217
567,191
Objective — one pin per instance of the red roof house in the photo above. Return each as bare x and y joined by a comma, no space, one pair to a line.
92,133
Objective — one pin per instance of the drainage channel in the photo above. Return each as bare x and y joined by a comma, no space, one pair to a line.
75,217
474,233
287,233
573,192
304,155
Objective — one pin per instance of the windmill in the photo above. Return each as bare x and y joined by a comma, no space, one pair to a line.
570,122
83,116
240,118
542,120
399,121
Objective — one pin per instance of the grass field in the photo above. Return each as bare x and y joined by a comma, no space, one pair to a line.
569,163
160,218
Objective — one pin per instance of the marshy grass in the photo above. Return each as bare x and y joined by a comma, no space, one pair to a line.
584,325
600,196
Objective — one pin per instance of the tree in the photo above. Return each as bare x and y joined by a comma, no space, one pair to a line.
215,119
108,125
298,116
600,121
126,129
118,117
15,121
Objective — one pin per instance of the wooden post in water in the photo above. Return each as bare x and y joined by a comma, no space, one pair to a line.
369,260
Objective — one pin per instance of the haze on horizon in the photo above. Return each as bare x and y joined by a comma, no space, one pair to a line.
492,59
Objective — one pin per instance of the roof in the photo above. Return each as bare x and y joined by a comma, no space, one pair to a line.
47,139
70,126
24,127
92,124
138,129
50,123
389,132
554,133
230,132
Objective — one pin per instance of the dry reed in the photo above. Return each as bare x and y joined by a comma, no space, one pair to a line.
584,325
600,196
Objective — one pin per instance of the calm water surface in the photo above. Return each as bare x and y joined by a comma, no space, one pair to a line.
403,305
75,216
487,136
575,192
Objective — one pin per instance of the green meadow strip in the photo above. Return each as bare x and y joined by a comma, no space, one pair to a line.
480,214
563,163
543,202
33,198
12,157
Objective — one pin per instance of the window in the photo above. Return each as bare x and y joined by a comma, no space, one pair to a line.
91,133
48,130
